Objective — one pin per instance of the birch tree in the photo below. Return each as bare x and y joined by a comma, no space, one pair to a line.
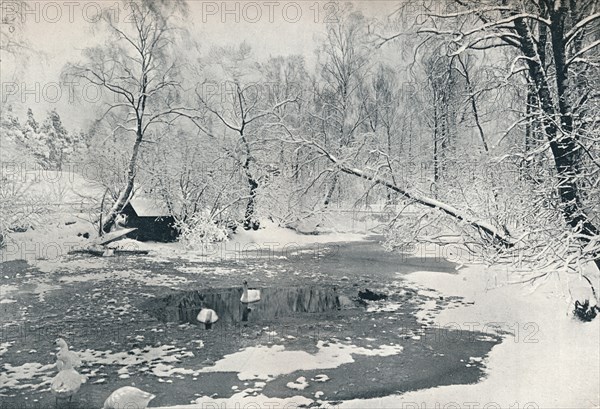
340,113
137,72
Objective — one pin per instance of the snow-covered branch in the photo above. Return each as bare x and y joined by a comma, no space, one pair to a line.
490,231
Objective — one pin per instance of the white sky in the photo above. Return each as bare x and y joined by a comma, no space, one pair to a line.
57,32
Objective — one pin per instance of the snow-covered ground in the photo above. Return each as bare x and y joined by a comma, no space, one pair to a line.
46,246
548,360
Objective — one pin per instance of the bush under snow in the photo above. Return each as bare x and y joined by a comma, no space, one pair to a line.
200,230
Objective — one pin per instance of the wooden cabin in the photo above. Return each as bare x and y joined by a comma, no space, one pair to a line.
152,219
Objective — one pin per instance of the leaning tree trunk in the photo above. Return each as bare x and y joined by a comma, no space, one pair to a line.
496,237
139,136
123,198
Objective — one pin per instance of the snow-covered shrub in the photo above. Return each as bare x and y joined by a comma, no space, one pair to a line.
20,211
200,230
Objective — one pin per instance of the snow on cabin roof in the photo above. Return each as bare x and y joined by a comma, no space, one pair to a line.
149,207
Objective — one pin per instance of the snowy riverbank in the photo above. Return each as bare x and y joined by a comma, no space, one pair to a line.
548,359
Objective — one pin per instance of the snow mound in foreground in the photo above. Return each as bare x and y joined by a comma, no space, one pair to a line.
549,360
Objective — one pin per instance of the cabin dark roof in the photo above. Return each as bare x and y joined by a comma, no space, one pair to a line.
149,207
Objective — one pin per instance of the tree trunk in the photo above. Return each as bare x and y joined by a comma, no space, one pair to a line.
532,129
471,91
563,143
249,221
435,138
390,199
329,194
126,193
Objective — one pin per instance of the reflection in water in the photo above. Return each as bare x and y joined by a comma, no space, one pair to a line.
275,302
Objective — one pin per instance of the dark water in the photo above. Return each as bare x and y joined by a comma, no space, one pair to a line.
275,303
364,263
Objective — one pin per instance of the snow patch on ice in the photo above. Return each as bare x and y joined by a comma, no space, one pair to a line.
384,306
266,363
244,399
4,347
30,375
299,384
321,378
426,311
159,361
